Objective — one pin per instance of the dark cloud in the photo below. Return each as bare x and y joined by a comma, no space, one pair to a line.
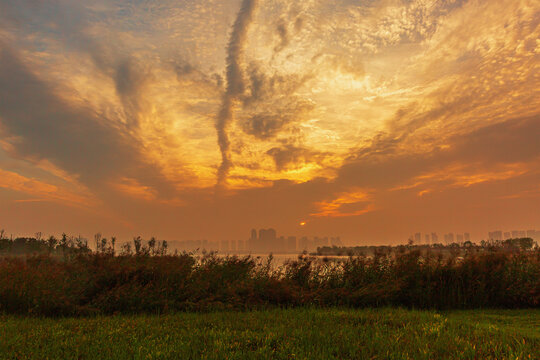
290,156
130,80
187,72
299,24
62,20
67,22
510,141
183,70
275,120
283,35
271,104
382,164
43,126
235,84
264,86
264,126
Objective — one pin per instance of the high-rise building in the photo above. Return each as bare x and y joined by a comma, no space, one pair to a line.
325,241
304,243
531,234
434,238
267,240
417,238
459,238
507,235
224,246
495,235
253,243
291,244
241,246
427,238
467,237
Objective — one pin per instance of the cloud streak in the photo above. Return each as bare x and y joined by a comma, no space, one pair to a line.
235,85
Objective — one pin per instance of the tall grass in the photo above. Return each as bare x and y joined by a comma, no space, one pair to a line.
147,281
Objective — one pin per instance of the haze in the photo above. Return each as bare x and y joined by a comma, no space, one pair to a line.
369,120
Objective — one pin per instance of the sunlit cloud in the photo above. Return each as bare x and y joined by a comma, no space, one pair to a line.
42,191
346,204
113,101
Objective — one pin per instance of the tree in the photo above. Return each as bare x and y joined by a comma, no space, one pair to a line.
137,242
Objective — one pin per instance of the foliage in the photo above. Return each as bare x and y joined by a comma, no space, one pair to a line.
147,280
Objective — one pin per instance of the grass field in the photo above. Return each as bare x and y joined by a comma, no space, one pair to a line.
278,334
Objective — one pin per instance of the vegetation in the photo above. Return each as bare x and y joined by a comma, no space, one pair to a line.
304,333
511,245
70,280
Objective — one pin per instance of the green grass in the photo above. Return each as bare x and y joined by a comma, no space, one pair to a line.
278,334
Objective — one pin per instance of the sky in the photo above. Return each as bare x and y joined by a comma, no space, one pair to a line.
202,119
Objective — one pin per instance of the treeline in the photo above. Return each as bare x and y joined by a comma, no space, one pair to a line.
514,244
147,280
69,246
38,245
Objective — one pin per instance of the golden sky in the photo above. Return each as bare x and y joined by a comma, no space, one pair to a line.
203,118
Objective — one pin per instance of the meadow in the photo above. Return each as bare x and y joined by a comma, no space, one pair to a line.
301,333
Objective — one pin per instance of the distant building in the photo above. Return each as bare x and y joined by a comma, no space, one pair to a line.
427,238
304,243
507,235
325,241
417,238
467,237
459,238
241,246
266,241
495,235
434,238
224,246
291,244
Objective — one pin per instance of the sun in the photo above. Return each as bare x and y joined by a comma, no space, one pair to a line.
303,223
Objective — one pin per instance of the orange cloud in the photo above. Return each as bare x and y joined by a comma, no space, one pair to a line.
133,188
43,191
461,175
345,204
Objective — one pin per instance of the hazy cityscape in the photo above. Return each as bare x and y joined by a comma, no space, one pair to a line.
268,240
460,238
261,241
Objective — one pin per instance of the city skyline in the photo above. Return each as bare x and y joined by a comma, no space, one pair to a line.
268,240
197,119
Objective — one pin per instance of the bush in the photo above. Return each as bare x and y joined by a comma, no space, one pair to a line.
103,283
